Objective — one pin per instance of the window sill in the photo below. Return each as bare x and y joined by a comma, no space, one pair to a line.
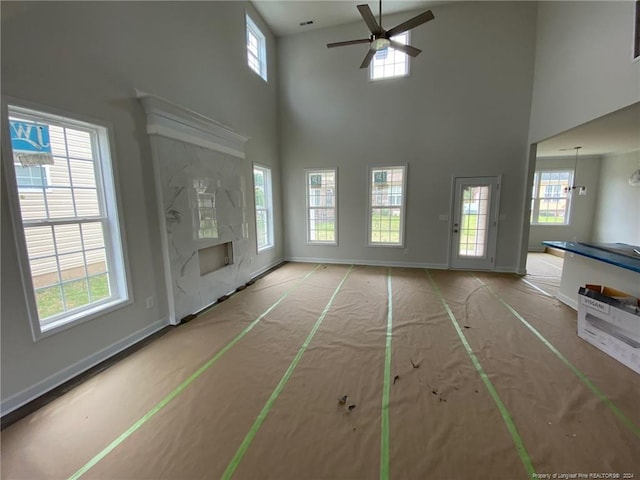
79,318
326,244
388,245
550,224
265,249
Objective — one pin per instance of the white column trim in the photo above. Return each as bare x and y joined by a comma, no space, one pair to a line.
170,120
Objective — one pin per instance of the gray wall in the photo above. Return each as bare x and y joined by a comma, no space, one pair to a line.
617,216
87,58
463,111
584,67
582,207
583,70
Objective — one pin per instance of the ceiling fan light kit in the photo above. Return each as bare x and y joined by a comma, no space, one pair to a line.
381,38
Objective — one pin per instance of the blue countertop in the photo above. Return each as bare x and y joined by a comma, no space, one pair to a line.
602,252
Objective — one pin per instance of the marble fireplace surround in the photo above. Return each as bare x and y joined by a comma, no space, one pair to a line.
203,188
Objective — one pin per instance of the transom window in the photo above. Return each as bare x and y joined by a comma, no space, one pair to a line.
321,206
64,198
264,207
551,201
387,193
256,49
388,63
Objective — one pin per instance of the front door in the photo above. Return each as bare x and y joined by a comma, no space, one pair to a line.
475,222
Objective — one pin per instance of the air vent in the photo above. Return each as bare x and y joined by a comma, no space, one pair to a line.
308,22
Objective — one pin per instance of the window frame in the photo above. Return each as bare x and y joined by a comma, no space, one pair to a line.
402,207
535,200
268,197
407,62
109,199
252,28
308,206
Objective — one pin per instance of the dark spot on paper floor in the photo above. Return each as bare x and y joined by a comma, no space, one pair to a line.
351,407
395,378
342,400
434,391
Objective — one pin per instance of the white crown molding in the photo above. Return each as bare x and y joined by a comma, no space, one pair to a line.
170,120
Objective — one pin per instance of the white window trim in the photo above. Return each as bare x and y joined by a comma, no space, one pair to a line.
536,200
269,201
262,47
371,79
403,208
121,280
328,243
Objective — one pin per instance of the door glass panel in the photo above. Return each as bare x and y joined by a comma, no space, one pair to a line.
474,221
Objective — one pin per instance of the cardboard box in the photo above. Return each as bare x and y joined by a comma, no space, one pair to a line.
610,320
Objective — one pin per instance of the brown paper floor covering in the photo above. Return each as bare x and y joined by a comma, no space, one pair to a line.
443,423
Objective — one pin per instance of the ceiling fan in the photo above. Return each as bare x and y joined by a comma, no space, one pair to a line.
381,38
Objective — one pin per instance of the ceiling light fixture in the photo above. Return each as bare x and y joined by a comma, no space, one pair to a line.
582,190
380,44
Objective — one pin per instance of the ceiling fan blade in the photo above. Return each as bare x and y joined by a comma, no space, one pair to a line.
408,49
369,19
348,42
411,23
367,59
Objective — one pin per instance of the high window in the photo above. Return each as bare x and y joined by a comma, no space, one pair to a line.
256,49
389,62
387,193
66,216
550,201
264,207
321,206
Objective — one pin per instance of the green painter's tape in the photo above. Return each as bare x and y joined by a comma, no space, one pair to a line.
386,388
244,446
91,463
612,406
506,416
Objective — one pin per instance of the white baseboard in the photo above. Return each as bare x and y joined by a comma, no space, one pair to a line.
264,269
31,393
571,302
506,270
369,263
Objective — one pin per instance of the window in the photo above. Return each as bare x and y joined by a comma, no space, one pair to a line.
321,206
256,49
550,202
388,63
386,205
65,200
31,176
264,207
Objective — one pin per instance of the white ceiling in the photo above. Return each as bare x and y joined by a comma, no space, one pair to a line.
616,132
284,16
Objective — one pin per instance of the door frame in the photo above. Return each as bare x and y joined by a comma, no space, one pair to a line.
495,217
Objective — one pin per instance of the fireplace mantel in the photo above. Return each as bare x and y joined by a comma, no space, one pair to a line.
174,121
203,186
